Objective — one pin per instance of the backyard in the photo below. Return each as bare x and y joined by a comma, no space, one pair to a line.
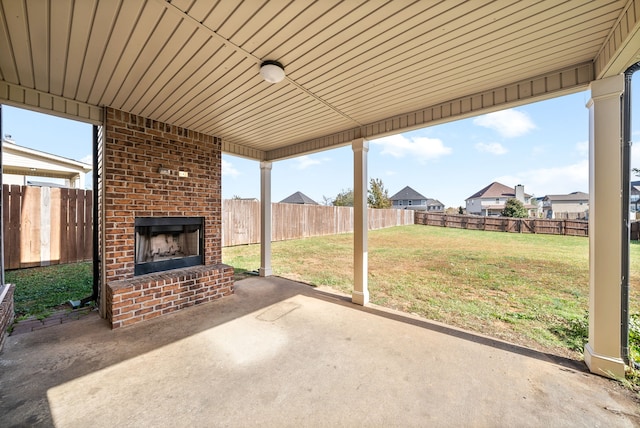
527,289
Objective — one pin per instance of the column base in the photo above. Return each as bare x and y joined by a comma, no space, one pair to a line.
265,272
360,298
603,365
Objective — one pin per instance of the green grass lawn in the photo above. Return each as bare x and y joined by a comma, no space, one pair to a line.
42,289
527,289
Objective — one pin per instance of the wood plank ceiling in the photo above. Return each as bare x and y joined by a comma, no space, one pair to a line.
355,68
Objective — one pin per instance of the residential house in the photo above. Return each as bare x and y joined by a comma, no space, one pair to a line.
407,198
298,198
490,201
21,164
434,205
573,205
634,197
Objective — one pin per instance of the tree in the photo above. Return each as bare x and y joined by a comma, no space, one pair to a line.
327,200
514,208
378,195
344,199
460,210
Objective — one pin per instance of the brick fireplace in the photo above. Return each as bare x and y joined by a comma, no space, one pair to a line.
153,173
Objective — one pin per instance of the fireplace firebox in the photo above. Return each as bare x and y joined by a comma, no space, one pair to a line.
165,243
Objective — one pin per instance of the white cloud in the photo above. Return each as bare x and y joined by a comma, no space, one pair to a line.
229,170
556,180
87,159
508,123
306,161
493,148
421,148
583,148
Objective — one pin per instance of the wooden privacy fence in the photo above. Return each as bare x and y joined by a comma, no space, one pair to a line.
635,230
505,224
44,226
241,221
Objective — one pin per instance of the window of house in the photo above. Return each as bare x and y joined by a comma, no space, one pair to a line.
410,201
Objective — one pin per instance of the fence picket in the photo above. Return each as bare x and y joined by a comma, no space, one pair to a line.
501,224
241,221
41,228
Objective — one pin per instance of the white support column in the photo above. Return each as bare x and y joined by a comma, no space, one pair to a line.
360,294
265,219
603,352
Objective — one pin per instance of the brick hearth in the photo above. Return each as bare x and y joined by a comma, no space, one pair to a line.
139,164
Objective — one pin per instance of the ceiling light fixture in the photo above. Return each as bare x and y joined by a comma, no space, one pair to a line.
272,71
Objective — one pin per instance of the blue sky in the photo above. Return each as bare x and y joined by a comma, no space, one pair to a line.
543,146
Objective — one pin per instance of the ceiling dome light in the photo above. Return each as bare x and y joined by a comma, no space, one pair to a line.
272,71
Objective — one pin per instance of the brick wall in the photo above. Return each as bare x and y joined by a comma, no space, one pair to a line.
134,150
6,313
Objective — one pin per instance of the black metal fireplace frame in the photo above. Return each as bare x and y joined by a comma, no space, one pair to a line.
168,223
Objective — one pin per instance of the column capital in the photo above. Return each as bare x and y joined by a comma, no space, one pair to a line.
266,164
360,145
609,86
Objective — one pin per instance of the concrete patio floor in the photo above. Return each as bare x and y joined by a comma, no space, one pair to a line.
280,353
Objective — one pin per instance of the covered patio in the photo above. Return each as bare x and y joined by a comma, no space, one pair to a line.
171,85
281,353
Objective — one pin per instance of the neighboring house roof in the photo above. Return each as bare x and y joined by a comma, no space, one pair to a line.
575,196
496,190
298,198
45,184
432,202
21,160
407,194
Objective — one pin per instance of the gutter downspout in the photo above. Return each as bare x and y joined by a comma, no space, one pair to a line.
626,179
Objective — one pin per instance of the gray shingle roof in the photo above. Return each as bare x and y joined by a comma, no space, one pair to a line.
298,198
575,196
496,190
432,202
407,194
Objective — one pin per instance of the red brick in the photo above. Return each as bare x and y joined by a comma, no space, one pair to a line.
134,148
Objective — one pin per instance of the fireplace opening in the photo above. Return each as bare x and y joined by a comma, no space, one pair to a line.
165,243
